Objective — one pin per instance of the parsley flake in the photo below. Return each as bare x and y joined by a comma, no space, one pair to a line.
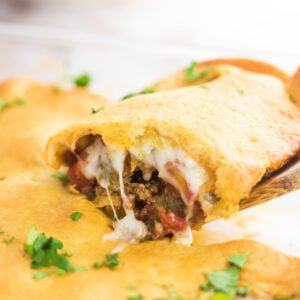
41,275
238,260
75,216
63,177
191,74
82,80
131,288
240,91
111,261
44,252
143,92
8,241
95,110
225,282
97,265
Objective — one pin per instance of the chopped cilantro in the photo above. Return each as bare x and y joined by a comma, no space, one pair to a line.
20,102
3,104
8,241
63,177
95,110
75,216
41,275
60,272
97,265
131,288
2,178
143,92
111,261
240,91
238,260
44,251
1,231
82,80
79,269
224,281
136,297
192,76
205,287
243,291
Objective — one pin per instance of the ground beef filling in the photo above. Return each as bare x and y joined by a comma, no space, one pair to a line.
154,202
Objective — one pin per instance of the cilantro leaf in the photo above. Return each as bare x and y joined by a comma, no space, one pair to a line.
243,291
3,105
75,216
238,260
44,251
143,92
221,296
41,275
224,281
111,260
8,241
95,110
63,177
82,80
191,74
97,265
1,231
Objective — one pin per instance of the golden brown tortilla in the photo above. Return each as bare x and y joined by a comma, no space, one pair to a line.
180,79
36,111
147,266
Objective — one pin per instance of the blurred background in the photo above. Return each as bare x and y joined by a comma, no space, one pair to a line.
126,44
261,26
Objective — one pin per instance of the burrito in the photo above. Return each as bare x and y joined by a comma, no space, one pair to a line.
29,113
163,162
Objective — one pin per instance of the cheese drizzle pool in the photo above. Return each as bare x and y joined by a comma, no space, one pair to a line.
159,188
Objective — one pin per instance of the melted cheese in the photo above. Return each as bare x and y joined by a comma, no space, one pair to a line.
129,229
194,174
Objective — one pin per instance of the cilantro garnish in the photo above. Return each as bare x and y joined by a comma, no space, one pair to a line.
111,261
131,288
95,110
8,241
225,282
1,231
238,260
82,80
143,92
44,251
41,275
191,74
75,216
2,178
240,91
18,102
97,265
63,177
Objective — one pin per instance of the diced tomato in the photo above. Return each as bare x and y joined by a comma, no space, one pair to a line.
77,178
171,221
173,169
